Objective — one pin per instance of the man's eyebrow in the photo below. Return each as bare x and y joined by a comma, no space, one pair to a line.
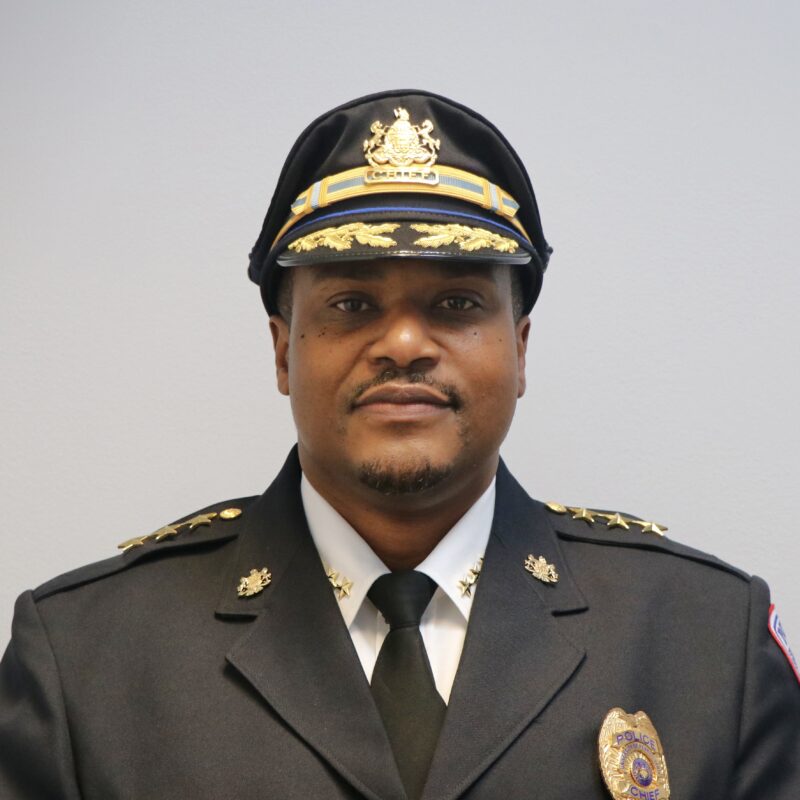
370,271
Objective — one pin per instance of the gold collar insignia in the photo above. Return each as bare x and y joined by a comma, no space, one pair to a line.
466,585
341,585
541,569
254,583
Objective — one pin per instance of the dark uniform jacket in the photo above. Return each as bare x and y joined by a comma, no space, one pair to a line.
147,676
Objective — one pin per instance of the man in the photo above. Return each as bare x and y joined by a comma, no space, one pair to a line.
394,617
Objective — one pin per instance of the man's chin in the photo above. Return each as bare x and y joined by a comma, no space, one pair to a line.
395,477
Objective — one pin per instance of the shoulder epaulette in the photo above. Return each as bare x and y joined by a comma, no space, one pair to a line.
188,525
212,524
624,530
612,519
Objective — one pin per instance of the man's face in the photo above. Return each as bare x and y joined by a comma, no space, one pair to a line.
402,373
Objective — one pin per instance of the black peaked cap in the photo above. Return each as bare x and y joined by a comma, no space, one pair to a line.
442,182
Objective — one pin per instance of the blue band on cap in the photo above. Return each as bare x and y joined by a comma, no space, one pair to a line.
439,211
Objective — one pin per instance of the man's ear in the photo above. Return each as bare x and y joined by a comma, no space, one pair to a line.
523,328
280,341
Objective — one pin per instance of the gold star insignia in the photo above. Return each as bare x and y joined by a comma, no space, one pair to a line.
466,585
540,569
200,519
167,531
583,513
255,582
136,541
651,527
163,533
617,521
341,585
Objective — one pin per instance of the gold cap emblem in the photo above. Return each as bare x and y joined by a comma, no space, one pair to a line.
255,582
402,151
631,757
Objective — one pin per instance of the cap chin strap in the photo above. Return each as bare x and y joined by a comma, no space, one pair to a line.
439,180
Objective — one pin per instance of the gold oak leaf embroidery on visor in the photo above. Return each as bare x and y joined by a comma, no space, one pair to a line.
466,237
341,237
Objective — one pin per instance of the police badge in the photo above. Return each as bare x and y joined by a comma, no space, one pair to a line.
631,757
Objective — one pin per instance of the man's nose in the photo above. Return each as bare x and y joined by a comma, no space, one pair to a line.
405,341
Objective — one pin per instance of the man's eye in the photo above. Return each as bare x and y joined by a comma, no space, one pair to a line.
458,304
352,305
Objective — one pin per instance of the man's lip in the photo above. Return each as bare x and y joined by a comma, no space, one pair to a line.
403,394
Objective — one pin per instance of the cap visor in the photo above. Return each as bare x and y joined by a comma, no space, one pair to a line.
402,227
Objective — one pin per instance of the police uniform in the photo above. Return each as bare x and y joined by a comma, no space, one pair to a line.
210,659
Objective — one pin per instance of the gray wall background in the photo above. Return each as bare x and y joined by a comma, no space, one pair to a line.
140,146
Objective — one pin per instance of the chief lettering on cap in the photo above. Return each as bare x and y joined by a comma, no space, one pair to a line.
395,175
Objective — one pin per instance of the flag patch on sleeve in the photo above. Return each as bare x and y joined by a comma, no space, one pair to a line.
779,635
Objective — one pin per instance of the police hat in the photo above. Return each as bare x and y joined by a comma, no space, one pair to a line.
397,174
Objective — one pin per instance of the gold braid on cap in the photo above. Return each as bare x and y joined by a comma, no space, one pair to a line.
449,182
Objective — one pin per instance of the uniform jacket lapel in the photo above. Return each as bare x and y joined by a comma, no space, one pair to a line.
513,628
298,653
299,656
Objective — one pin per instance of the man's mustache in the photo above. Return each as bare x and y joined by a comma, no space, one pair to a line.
403,376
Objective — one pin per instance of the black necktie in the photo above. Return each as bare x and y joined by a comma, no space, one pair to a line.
402,682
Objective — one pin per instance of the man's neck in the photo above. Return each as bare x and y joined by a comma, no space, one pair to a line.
402,530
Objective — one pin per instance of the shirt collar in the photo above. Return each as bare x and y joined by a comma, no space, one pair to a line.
341,549
353,561
461,552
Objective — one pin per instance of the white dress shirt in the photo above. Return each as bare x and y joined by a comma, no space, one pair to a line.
444,623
